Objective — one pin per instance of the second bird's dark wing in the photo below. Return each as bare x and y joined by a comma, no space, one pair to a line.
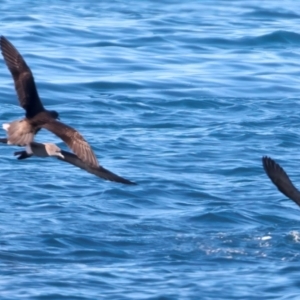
74,140
23,78
281,180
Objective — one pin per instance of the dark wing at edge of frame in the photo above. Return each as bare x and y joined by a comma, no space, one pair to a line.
280,179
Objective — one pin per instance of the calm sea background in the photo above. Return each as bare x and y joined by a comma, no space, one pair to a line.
183,97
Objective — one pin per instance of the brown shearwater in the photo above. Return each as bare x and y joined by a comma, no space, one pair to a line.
22,132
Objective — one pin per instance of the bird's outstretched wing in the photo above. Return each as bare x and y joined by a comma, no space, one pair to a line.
23,78
98,171
38,149
281,180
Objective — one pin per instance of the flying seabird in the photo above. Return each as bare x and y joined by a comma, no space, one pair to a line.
21,132
280,179
49,149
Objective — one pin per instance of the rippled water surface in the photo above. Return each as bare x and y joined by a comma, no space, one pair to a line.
182,97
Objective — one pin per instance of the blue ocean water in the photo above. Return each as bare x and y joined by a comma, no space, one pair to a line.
182,97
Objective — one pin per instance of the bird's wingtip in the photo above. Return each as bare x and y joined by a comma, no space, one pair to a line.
131,182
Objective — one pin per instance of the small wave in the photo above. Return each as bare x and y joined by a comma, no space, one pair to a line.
276,37
267,14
